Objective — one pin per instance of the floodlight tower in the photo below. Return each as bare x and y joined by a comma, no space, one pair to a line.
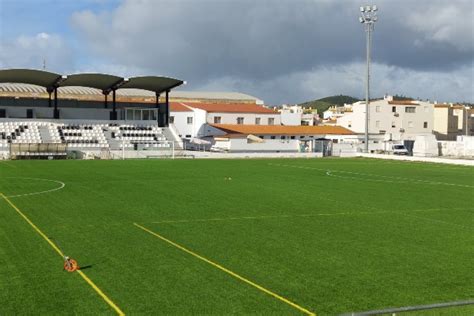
368,17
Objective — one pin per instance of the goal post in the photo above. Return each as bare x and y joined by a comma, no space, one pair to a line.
160,149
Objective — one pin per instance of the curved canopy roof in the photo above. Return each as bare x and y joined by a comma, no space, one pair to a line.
37,77
104,82
152,83
93,80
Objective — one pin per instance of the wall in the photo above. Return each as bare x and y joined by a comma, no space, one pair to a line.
421,159
249,118
462,147
272,145
186,130
65,113
180,123
288,118
445,123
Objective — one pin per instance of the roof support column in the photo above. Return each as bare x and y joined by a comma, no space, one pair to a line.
56,111
49,98
157,105
161,113
167,109
105,100
113,114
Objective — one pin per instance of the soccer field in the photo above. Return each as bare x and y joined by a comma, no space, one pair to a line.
324,236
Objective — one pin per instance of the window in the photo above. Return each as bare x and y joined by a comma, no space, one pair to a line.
377,123
257,121
394,109
425,124
301,136
271,121
272,137
282,137
394,125
410,124
138,115
171,119
262,136
377,108
190,120
240,120
146,115
129,114
217,119
349,124
410,109
188,136
292,137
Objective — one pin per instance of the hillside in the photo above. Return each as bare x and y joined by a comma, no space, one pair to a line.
324,103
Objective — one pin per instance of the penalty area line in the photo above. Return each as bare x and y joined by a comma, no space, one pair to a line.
233,274
56,248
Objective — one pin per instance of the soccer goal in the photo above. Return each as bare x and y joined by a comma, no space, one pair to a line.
161,149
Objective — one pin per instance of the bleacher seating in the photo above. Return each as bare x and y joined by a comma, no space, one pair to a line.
80,136
18,133
131,135
83,136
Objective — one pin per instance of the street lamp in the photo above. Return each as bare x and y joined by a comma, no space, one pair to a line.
368,17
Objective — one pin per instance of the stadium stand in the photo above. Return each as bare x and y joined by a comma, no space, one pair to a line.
41,138
45,115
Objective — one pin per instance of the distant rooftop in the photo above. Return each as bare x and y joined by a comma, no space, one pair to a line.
9,89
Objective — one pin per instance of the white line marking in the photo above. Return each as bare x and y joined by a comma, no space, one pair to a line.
402,179
218,219
437,221
259,217
61,186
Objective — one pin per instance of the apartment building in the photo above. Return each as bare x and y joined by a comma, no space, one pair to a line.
397,120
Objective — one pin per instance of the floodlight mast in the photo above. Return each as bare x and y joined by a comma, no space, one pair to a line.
368,18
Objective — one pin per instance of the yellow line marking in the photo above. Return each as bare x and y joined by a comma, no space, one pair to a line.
53,245
235,275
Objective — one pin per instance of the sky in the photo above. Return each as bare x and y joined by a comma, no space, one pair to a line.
281,51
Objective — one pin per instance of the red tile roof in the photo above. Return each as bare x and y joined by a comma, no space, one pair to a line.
282,129
231,108
179,107
403,102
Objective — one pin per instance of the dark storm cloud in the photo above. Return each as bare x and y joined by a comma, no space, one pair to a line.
280,50
264,39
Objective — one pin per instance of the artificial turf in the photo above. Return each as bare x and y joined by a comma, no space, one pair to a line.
330,235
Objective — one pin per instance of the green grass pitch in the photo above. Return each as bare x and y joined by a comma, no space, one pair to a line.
331,235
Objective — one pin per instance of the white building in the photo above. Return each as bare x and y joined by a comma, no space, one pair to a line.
335,112
192,120
296,115
264,138
452,120
397,120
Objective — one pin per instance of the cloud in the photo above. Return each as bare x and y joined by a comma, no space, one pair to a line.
31,51
266,47
450,23
349,79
